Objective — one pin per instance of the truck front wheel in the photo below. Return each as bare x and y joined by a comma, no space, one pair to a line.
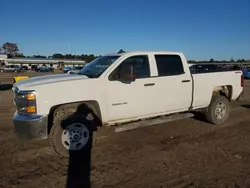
71,134
218,110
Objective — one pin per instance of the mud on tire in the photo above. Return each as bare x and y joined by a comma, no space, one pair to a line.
218,110
66,132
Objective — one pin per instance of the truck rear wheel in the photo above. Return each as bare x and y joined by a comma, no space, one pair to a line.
218,110
71,134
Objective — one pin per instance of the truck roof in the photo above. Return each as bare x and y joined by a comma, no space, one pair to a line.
143,52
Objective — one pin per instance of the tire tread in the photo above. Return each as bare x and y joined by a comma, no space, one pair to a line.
209,112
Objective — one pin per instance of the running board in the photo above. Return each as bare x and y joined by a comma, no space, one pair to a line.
151,122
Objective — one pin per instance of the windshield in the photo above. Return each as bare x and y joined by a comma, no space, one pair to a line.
95,68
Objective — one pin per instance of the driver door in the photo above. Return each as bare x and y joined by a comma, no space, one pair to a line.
129,92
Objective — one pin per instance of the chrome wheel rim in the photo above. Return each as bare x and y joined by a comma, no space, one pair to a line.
220,110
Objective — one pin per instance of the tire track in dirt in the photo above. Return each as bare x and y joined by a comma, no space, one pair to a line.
26,169
170,149
170,169
174,140
34,173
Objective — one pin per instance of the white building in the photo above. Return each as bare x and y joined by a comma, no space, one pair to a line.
49,62
3,58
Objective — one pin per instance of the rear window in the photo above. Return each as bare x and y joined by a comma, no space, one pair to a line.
169,65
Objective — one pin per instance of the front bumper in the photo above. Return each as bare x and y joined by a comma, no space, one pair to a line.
29,127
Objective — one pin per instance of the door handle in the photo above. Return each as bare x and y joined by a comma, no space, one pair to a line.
149,84
185,81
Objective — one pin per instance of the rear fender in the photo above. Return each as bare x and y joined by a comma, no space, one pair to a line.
224,91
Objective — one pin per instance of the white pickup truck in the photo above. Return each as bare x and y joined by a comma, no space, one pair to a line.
118,91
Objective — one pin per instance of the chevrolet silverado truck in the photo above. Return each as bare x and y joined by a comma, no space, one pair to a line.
121,92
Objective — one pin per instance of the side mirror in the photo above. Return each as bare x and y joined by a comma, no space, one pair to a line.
129,76
124,77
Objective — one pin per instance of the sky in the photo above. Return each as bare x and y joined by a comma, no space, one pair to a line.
201,29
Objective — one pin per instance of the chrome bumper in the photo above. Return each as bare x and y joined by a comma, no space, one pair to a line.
32,127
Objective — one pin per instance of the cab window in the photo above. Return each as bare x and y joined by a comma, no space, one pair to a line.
134,67
169,65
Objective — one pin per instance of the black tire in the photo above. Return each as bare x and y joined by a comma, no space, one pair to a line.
210,112
60,124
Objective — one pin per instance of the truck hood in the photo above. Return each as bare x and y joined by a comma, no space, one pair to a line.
39,80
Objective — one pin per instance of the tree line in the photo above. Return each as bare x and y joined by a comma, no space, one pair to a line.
12,50
222,61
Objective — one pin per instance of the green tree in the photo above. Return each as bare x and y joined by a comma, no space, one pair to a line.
58,56
10,48
19,55
2,50
69,56
39,56
90,58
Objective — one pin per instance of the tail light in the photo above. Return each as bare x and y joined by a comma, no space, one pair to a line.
242,81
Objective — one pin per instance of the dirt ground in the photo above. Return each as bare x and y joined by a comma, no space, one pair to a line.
186,153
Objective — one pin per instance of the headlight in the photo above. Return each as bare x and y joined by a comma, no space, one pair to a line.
30,96
26,109
25,101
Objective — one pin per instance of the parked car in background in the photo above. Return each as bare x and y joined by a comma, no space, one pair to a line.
51,69
24,67
45,69
35,68
75,70
207,68
11,68
67,69
246,73
202,68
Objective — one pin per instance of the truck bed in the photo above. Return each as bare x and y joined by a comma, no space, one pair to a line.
214,79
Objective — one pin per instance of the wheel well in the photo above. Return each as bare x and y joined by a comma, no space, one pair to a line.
226,91
85,108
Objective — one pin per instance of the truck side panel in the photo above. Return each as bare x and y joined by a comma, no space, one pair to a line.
204,85
173,80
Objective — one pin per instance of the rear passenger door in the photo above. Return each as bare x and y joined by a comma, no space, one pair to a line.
173,85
